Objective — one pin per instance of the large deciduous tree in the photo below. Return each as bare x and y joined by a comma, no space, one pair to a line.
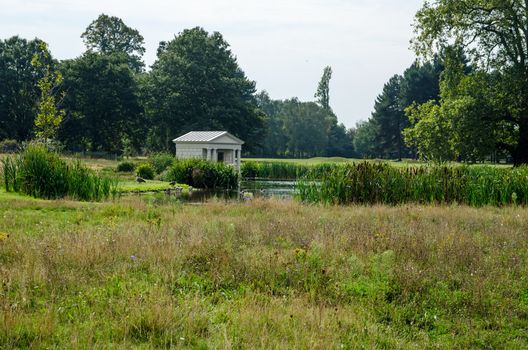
197,84
109,34
102,103
19,92
495,36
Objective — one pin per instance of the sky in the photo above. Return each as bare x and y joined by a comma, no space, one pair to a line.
283,45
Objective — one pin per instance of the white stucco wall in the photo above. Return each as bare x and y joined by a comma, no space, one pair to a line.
185,151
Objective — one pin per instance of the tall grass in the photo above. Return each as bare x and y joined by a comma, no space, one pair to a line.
141,274
43,174
202,174
371,183
283,170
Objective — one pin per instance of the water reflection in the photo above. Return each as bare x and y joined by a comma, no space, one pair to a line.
248,189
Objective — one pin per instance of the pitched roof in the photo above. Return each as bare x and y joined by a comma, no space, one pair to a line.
205,136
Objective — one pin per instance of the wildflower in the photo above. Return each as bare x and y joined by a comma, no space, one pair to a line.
133,258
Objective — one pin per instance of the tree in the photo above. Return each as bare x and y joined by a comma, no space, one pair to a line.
431,132
110,35
306,128
495,35
49,116
274,143
102,104
463,124
19,92
365,139
196,84
390,119
323,89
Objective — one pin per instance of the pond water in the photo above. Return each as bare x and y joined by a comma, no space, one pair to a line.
253,188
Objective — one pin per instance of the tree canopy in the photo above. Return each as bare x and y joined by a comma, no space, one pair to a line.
109,35
494,34
102,103
197,84
19,92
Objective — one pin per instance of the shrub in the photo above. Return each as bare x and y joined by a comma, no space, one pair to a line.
161,161
9,146
126,167
203,174
43,174
145,171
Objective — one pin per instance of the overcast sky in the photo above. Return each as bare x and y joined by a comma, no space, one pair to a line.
281,44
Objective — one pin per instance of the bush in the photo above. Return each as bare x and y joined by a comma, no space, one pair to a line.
126,167
203,174
145,171
9,146
43,174
161,161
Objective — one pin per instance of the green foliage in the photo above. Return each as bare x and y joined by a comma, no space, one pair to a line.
464,124
200,173
365,139
161,161
109,35
145,171
19,92
382,135
371,183
198,73
431,132
282,170
298,129
43,174
49,116
102,104
323,89
494,33
126,166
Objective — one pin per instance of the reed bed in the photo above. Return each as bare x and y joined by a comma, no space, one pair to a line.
43,174
283,170
371,183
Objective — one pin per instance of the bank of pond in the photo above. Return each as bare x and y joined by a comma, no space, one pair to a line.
43,174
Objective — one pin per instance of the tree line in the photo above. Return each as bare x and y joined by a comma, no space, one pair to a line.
464,99
105,100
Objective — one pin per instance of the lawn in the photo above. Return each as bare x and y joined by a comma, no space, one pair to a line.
150,273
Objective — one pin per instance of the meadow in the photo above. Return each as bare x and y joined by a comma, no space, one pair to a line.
145,272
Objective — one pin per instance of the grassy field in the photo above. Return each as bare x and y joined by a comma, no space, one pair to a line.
146,273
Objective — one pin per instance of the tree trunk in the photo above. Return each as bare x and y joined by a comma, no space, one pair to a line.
520,156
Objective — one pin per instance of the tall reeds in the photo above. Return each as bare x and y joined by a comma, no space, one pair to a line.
43,174
282,170
372,183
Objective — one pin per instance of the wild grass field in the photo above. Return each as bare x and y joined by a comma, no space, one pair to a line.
145,272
